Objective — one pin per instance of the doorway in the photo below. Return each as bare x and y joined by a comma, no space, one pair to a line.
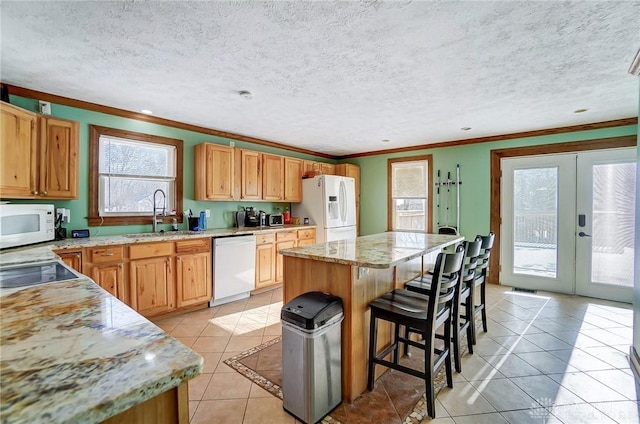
568,223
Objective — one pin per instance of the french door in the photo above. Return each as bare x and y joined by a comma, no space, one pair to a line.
568,223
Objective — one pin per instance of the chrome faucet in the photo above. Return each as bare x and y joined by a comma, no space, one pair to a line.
156,221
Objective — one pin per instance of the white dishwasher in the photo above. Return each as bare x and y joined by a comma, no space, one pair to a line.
234,268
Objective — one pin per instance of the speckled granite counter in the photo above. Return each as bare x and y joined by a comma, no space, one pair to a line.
72,353
375,251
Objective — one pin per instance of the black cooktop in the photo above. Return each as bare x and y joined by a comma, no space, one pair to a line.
35,273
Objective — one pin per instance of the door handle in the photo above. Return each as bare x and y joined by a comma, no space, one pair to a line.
583,234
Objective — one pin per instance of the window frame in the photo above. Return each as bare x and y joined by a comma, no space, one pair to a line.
429,205
94,218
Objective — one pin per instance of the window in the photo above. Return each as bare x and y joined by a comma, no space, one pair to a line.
126,168
409,206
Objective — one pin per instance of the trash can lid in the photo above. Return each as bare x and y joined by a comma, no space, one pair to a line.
311,310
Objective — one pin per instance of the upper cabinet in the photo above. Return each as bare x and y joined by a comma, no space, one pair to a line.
292,180
250,175
37,163
273,177
214,174
58,158
311,168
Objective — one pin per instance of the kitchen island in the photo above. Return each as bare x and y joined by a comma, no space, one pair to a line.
72,353
359,271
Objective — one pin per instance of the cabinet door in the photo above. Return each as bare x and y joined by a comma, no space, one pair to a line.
213,172
292,180
152,285
111,278
265,265
72,259
327,168
193,274
251,175
18,136
279,260
273,177
58,158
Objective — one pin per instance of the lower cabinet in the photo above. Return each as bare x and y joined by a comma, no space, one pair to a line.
265,260
106,266
152,285
284,240
72,259
306,236
193,272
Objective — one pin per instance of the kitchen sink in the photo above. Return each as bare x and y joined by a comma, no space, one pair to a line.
35,273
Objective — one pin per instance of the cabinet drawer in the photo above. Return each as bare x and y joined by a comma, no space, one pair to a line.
307,234
286,235
193,246
99,255
264,238
150,250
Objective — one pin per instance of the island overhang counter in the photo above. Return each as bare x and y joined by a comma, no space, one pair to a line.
358,271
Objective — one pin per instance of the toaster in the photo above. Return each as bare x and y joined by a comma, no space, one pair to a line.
275,219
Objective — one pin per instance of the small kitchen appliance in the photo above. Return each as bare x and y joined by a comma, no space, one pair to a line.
26,224
251,217
275,219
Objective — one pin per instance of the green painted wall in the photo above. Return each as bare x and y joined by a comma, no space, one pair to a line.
474,160
221,212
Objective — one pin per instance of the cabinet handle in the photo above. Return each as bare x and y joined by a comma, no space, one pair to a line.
35,192
120,266
107,254
44,193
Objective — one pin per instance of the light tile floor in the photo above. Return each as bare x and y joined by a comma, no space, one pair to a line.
547,358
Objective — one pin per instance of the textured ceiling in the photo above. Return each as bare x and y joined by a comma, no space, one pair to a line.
334,77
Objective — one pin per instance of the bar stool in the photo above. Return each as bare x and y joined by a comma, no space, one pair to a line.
419,314
482,273
462,309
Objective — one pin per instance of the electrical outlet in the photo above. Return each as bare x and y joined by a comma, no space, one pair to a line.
232,144
207,213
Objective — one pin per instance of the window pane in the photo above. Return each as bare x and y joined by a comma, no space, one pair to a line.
410,214
125,157
132,195
535,210
409,179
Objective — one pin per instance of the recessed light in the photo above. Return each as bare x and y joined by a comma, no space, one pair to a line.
386,140
465,128
580,110
247,95
146,111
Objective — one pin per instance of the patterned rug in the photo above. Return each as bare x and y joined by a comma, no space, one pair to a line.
403,393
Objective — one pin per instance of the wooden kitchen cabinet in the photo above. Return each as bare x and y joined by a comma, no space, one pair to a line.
58,146
214,172
284,240
39,155
18,154
105,265
193,272
327,168
349,170
250,175
273,177
72,259
317,168
265,260
306,237
292,180
151,278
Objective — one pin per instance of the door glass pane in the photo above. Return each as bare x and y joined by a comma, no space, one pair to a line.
613,224
535,215
410,214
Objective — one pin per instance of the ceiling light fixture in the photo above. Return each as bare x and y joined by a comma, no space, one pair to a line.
386,140
146,111
580,110
465,128
247,95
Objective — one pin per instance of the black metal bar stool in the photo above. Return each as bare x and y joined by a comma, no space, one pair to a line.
482,273
422,314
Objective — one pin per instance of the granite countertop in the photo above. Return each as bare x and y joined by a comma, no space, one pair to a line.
382,250
71,352
44,251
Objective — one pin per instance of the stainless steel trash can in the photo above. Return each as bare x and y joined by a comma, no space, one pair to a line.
311,355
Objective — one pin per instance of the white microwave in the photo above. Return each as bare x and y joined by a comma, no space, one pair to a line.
26,224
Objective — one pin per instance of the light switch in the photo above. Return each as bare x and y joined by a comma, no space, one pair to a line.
207,213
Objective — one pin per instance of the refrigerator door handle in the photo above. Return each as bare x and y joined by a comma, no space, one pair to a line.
343,201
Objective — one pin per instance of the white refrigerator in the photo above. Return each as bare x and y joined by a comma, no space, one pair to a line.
329,201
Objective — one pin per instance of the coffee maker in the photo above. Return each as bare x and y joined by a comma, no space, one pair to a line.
251,217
